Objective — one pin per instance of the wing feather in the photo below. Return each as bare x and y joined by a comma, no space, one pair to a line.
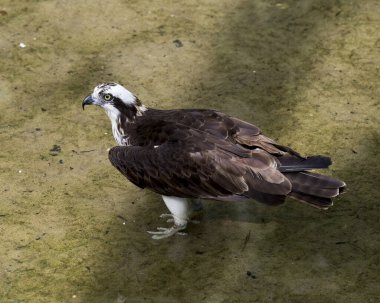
208,154
201,166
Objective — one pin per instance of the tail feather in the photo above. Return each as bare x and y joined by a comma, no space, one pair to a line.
314,189
319,202
315,184
290,163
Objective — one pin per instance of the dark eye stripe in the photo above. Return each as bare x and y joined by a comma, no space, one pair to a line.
128,110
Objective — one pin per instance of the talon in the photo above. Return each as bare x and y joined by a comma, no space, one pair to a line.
162,229
159,237
163,232
171,220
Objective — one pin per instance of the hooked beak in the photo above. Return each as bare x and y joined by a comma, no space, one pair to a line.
87,101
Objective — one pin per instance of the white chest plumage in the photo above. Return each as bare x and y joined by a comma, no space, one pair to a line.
119,133
120,121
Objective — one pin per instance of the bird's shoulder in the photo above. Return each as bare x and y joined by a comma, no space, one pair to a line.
209,121
155,127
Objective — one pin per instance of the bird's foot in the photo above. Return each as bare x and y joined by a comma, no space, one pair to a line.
166,216
171,219
163,232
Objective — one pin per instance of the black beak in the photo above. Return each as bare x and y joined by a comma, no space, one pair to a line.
87,101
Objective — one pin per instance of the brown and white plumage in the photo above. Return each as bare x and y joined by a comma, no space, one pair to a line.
202,153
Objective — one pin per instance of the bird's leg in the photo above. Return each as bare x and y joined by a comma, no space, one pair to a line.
180,209
196,205
171,219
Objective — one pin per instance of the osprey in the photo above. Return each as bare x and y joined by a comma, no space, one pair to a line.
190,154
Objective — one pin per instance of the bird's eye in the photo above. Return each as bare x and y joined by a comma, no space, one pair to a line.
107,97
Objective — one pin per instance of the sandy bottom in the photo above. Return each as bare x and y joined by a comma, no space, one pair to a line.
72,229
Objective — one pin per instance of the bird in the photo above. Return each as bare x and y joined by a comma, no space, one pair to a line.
190,155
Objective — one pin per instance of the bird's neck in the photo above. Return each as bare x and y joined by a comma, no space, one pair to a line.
121,121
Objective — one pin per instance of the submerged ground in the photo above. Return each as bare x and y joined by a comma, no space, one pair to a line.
72,229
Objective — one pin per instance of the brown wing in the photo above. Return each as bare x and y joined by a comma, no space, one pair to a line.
232,157
225,127
249,135
202,165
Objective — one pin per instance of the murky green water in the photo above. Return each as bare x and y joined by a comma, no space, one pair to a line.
73,230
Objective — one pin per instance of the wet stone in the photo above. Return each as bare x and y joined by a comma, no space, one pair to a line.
178,43
55,150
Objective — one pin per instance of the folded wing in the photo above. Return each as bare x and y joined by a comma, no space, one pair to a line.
201,165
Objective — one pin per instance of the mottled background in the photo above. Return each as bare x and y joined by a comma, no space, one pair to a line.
72,229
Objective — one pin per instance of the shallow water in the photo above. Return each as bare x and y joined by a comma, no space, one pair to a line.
73,230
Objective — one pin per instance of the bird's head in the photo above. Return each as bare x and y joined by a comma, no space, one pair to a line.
116,100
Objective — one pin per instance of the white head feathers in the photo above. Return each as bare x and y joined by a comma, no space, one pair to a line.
121,106
116,90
